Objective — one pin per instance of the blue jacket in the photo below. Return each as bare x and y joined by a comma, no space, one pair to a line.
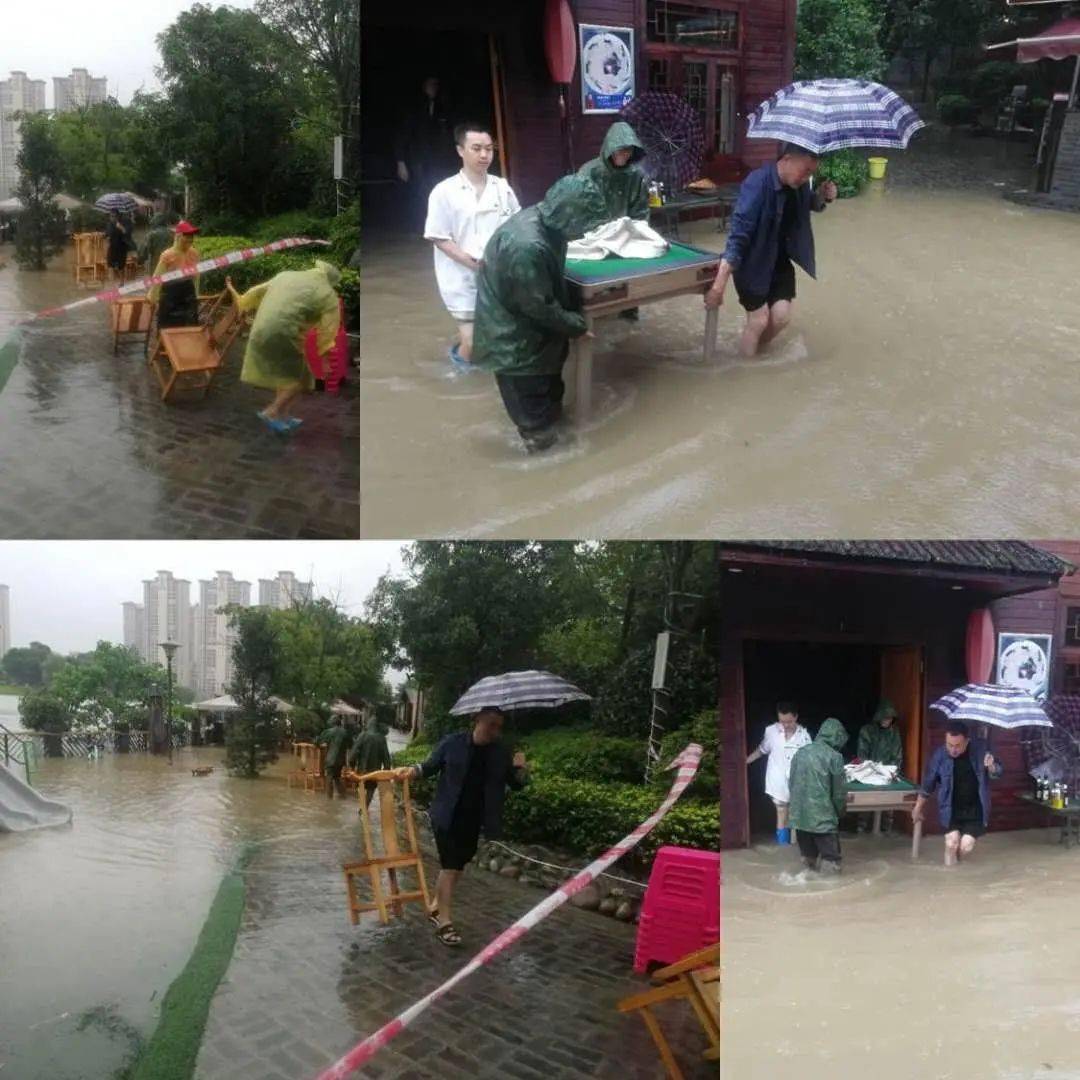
450,760
939,774
753,242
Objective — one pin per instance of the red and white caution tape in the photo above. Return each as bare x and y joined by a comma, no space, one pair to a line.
687,764
219,262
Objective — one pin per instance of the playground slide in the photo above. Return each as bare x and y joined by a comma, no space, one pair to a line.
22,808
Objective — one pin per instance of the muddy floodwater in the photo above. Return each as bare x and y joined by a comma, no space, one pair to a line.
901,970
928,386
98,918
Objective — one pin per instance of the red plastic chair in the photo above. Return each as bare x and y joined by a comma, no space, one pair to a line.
338,357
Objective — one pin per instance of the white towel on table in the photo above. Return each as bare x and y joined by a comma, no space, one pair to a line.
871,772
625,237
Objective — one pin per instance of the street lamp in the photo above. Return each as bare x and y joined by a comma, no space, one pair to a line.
169,648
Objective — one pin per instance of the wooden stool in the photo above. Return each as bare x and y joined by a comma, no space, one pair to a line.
696,979
296,776
189,357
89,257
132,315
392,859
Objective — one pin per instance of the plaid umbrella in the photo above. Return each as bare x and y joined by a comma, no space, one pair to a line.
518,690
830,114
988,703
119,201
671,133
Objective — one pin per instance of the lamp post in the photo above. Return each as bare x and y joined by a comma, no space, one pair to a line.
169,648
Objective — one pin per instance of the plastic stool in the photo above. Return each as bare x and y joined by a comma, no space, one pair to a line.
338,357
681,909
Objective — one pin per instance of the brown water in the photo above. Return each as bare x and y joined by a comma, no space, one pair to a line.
928,386
904,971
104,914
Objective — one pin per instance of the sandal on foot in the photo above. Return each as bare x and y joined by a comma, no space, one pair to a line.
433,916
447,934
280,427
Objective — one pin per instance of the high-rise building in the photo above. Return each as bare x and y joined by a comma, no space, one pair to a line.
5,620
283,591
167,616
78,90
135,628
17,94
214,639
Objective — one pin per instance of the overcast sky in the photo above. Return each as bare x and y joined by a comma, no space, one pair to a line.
67,594
46,38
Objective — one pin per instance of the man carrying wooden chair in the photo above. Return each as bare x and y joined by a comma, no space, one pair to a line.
474,771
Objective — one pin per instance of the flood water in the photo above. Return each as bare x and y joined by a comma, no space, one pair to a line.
898,970
99,917
927,386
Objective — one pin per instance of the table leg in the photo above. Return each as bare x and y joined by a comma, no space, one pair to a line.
916,839
583,353
712,321
877,822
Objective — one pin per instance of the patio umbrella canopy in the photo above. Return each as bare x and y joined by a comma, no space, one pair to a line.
999,706
824,115
1057,42
671,133
518,690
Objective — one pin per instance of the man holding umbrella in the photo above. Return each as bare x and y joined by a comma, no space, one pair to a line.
474,771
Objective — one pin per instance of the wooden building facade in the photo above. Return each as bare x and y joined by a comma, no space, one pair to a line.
723,56
835,626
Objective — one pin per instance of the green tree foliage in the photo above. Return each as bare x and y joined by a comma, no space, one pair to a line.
107,686
838,39
41,233
26,666
253,731
44,711
93,143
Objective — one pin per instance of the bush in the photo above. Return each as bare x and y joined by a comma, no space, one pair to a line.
87,219
41,711
344,234
992,81
955,110
847,169
704,731
583,754
306,724
294,223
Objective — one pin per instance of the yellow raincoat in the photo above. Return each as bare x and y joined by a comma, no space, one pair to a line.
287,307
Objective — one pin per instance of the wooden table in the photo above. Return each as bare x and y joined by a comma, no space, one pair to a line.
604,287
666,218
881,798
1070,819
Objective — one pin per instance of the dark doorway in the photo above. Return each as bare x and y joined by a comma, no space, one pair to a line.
395,64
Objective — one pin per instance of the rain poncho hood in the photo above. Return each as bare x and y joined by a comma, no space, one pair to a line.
883,744
524,317
625,189
336,741
885,709
818,791
370,751
287,307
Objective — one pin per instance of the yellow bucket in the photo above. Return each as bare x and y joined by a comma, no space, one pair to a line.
877,167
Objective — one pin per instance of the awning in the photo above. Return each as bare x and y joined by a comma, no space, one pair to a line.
1057,42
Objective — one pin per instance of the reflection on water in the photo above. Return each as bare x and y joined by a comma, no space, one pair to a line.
102,915
904,970
923,386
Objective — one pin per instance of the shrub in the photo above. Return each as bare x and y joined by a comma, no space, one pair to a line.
847,169
584,754
87,219
954,110
306,724
704,731
42,711
294,223
992,81
344,234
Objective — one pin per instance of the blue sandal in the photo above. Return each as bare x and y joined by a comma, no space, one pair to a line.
279,427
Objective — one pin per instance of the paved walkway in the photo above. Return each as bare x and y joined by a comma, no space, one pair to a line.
305,985
89,450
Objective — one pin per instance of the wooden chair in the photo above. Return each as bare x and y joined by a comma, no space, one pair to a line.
696,979
132,316
296,775
131,267
89,257
189,357
393,858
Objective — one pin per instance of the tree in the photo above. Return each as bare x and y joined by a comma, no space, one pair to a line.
107,687
838,39
41,233
252,732
25,666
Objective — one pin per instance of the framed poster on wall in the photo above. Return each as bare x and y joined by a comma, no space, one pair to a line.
1023,662
607,67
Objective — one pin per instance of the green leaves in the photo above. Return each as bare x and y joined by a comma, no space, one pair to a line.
838,39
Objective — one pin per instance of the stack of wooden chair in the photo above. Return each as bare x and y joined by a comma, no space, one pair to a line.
89,257
694,979
309,767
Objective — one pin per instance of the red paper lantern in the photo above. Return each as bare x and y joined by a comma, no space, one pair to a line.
560,41
980,646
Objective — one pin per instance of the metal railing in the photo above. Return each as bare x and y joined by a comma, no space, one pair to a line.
18,748
78,745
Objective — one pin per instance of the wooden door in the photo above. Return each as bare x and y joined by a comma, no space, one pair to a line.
902,684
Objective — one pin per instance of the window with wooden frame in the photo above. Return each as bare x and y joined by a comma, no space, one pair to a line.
1069,652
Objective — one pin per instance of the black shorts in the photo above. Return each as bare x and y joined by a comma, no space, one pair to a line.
782,287
967,827
814,845
456,846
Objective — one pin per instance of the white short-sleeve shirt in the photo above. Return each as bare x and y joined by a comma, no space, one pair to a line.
455,212
781,750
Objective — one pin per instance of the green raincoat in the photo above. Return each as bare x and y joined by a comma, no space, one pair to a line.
336,741
877,743
287,307
818,793
158,240
626,189
523,318
370,753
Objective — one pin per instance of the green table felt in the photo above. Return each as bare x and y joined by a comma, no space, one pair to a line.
588,271
900,784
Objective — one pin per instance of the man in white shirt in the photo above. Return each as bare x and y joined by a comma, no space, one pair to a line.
779,744
463,212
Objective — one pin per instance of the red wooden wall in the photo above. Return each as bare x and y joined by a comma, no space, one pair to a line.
768,64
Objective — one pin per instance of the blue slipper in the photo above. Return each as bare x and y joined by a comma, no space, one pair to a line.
458,360
293,422
280,427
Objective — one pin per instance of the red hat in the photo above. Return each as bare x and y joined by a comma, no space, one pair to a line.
185,228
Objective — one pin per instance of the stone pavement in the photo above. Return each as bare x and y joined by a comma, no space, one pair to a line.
88,450
304,985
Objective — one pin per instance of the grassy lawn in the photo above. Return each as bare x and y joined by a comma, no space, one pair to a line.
7,688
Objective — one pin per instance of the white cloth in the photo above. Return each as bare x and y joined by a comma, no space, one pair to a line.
780,751
455,212
871,772
625,237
